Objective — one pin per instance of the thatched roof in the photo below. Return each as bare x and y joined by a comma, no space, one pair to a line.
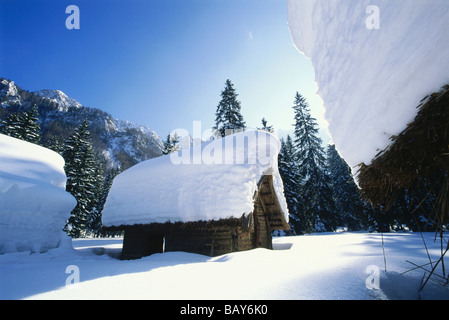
371,80
420,151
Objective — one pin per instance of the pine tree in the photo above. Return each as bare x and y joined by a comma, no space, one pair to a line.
316,203
351,210
94,224
31,130
228,118
171,144
12,126
55,143
80,167
265,127
23,125
288,169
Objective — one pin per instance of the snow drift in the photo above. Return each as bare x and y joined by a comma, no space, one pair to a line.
374,62
34,205
212,181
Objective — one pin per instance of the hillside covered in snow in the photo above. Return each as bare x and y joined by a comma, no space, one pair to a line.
116,142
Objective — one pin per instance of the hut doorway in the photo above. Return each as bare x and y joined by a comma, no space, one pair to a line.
140,242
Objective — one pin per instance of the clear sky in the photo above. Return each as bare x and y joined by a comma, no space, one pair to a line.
160,63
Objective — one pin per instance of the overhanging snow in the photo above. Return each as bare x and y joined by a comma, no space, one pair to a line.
372,76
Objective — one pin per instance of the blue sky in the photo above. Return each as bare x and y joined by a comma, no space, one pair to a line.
160,63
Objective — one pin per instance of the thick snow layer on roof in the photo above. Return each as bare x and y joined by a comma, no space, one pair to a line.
26,164
374,61
34,205
215,180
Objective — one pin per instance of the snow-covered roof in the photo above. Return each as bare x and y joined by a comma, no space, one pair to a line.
26,164
34,205
212,181
374,62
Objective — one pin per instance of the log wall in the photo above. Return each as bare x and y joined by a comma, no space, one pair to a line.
212,242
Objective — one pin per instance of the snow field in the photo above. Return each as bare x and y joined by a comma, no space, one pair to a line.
319,266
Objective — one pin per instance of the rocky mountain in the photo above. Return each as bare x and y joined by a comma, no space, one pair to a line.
116,142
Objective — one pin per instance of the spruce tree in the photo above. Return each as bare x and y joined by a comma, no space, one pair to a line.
316,211
288,170
94,224
12,126
81,178
23,125
228,118
55,143
31,130
265,127
352,212
171,144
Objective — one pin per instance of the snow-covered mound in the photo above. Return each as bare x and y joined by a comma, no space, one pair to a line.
374,62
215,180
33,202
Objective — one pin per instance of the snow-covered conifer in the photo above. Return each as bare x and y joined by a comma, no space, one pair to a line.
171,144
288,169
265,127
80,168
228,119
351,210
23,125
316,208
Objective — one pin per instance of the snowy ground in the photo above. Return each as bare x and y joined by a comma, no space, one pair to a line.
322,266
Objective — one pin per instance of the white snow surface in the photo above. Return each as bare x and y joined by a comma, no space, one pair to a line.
33,202
212,181
372,80
319,266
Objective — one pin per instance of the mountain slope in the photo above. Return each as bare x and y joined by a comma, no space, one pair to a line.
116,142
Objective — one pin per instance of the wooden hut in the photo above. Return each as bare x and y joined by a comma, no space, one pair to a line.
212,237
199,206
